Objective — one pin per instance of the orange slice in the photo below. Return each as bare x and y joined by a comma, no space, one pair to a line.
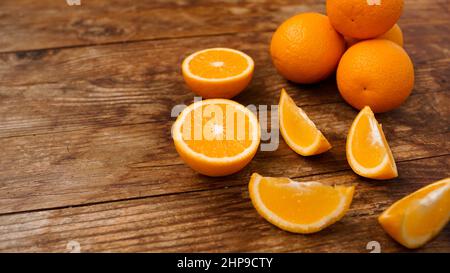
216,137
417,218
299,207
218,72
368,152
299,132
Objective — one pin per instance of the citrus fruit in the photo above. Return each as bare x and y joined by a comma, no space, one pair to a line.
394,34
218,72
299,132
377,73
417,218
306,48
306,207
363,19
216,137
368,152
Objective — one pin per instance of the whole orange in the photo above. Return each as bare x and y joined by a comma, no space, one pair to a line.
395,35
376,73
363,19
306,48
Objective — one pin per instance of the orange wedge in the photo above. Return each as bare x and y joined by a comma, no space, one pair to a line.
218,72
417,218
299,207
216,137
299,132
368,152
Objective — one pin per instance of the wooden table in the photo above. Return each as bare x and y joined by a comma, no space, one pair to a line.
87,160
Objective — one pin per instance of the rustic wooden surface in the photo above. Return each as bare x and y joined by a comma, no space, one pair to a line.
86,94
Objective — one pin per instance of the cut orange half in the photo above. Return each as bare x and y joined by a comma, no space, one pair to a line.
417,218
218,72
306,207
216,137
368,152
299,132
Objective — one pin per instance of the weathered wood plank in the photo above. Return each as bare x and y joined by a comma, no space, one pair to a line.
96,114
46,24
92,165
104,86
28,24
219,220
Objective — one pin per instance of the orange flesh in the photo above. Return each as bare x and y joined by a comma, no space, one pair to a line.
220,130
400,207
427,215
310,202
419,223
298,126
369,144
216,64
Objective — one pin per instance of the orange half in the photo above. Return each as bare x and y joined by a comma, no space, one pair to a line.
368,152
306,207
218,72
417,218
299,132
216,137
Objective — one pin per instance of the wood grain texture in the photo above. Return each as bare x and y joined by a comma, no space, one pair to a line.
49,24
28,24
95,113
86,95
100,86
88,166
219,220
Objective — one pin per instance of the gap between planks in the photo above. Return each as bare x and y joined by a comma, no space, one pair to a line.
166,38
